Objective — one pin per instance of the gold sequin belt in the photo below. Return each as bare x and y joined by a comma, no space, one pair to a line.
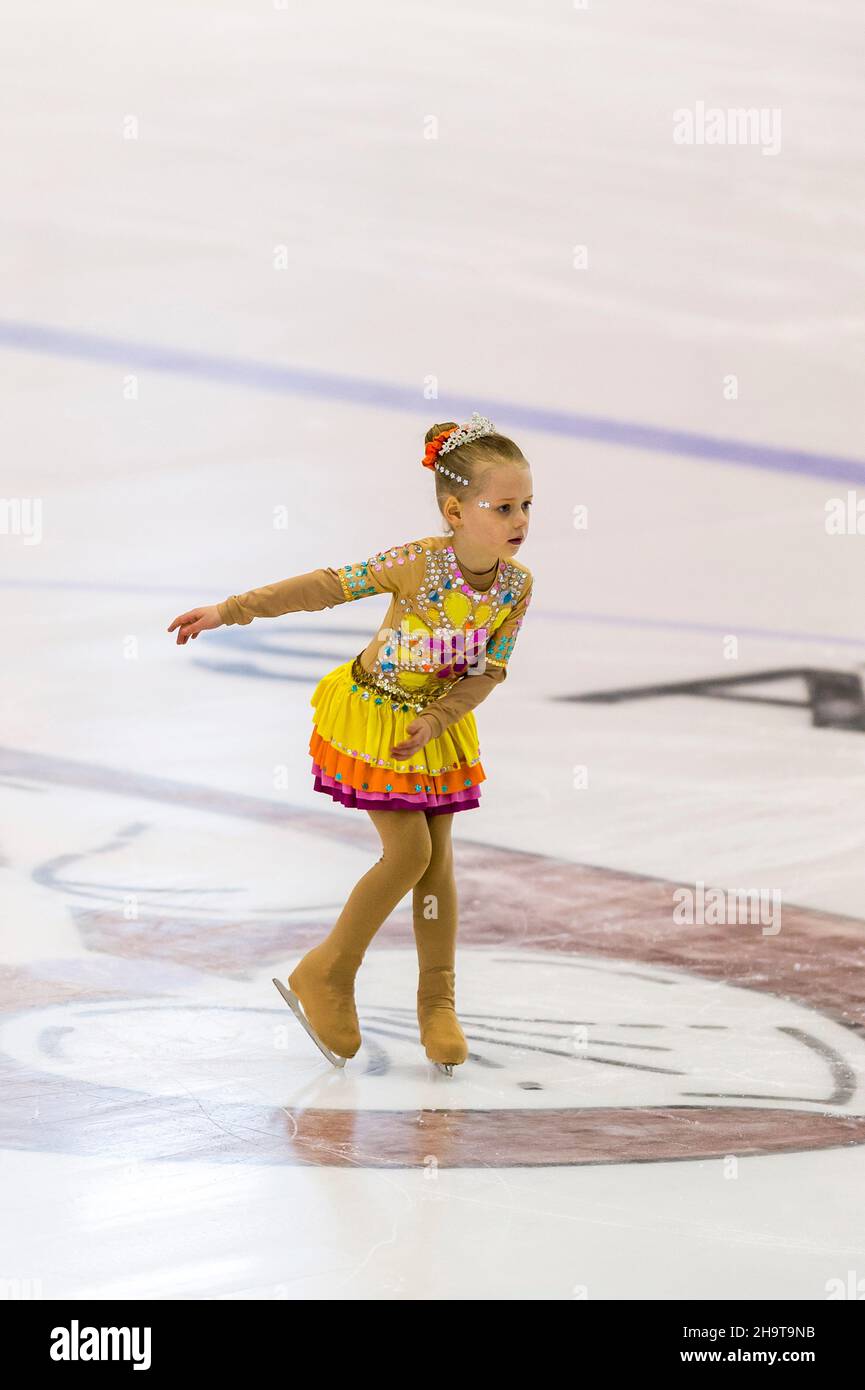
393,692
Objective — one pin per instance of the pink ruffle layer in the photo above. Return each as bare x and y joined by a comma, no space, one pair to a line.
382,801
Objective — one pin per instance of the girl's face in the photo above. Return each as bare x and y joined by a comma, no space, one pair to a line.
503,526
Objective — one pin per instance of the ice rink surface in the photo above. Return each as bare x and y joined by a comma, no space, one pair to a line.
251,253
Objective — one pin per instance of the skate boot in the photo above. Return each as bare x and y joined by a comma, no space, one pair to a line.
321,995
440,1032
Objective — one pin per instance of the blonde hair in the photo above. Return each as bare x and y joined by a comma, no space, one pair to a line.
472,461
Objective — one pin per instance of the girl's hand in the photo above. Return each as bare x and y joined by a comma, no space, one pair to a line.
195,621
419,732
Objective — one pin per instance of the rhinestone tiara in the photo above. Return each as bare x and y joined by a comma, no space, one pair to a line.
477,427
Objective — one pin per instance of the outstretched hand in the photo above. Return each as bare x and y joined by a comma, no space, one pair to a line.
419,732
195,621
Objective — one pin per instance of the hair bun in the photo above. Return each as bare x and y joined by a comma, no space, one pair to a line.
437,429
434,439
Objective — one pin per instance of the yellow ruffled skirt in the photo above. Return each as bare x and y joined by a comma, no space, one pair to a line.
357,723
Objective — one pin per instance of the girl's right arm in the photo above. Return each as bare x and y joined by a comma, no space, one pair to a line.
303,593
195,621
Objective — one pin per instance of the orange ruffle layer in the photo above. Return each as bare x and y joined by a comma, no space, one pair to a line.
365,776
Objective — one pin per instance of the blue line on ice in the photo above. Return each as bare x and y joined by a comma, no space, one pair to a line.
578,616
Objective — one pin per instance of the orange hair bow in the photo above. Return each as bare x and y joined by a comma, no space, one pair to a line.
434,445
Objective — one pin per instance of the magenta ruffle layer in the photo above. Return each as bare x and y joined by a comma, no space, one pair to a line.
383,801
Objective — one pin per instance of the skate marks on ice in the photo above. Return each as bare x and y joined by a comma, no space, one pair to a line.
136,1007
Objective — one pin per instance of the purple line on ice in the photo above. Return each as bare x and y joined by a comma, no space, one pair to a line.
334,386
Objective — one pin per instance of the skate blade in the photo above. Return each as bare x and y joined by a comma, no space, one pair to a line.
296,1007
446,1067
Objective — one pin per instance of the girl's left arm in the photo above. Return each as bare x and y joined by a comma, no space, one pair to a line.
470,690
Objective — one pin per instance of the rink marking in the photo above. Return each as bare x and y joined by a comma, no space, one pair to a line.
595,619
350,390
522,908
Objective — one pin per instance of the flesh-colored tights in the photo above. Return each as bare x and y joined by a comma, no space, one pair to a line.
417,856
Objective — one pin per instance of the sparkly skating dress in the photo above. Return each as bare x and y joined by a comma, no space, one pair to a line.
441,649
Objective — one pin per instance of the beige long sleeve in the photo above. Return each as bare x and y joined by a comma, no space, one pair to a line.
470,690
303,593
466,695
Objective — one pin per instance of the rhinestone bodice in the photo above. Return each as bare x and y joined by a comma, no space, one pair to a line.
439,624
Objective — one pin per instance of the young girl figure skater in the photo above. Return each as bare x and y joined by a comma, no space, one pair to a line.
394,732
